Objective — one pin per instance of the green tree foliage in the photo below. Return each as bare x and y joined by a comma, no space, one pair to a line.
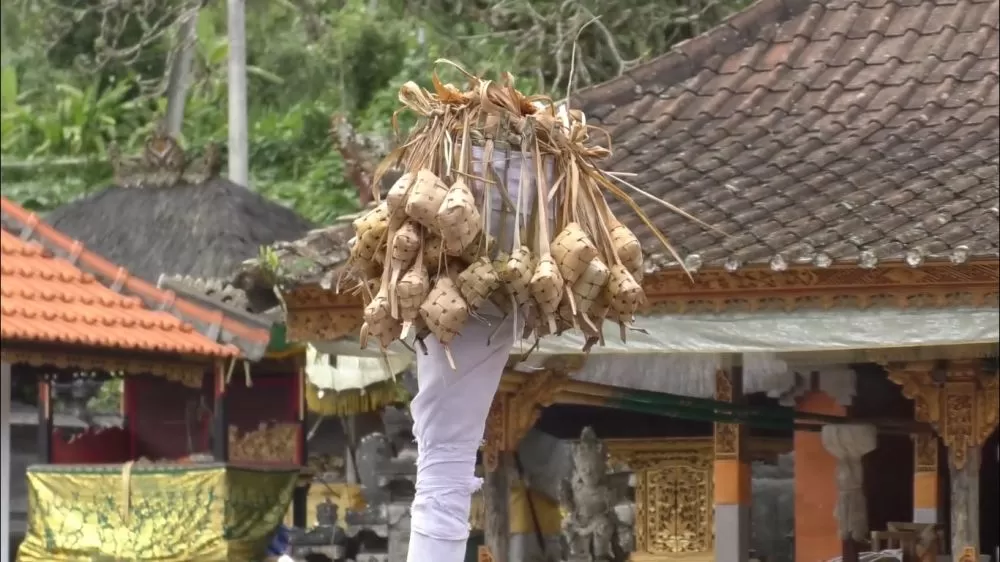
79,74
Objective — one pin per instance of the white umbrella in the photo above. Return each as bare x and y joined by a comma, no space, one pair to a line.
352,372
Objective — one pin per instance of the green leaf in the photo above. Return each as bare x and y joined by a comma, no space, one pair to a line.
8,88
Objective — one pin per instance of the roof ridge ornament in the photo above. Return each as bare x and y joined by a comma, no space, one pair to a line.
163,163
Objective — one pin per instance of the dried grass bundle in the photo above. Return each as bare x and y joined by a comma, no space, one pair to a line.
430,242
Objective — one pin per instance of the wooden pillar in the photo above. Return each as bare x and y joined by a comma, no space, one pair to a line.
964,471
220,418
732,476
496,483
496,504
5,452
513,413
960,399
44,421
300,497
925,479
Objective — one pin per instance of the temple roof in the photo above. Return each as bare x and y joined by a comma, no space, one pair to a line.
55,290
205,229
818,132
810,132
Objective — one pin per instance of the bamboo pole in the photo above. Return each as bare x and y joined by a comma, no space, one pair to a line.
239,164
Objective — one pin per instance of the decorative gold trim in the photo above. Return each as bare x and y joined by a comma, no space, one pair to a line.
515,409
484,554
495,437
958,398
318,313
188,374
270,443
726,435
674,494
897,285
925,450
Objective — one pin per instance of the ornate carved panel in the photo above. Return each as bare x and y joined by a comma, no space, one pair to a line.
513,414
727,435
958,398
892,285
268,444
484,554
495,438
925,450
675,511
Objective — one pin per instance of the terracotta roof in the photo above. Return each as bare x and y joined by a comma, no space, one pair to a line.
53,299
819,131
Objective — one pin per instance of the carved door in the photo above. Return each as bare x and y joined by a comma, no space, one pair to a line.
675,507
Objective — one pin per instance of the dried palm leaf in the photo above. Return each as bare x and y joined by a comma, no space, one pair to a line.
404,249
477,282
379,323
445,313
395,200
426,196
411,291
626,246
573,251
588,288
624,294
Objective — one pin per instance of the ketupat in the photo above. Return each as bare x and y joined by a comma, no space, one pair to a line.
588,273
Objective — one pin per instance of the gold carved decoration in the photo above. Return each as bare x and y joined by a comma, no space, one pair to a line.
513,414
760,288
925,449
315,312
495,438
727,435
969,554
484,554
957,398
269,444
675,509
189,374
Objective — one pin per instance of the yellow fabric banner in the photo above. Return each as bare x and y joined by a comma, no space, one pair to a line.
166,513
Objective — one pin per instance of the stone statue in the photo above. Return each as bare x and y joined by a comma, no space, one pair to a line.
326,539
588,499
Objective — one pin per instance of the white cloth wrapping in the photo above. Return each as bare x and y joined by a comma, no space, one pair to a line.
451,406
848,443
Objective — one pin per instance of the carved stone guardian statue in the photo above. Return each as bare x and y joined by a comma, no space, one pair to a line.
588,499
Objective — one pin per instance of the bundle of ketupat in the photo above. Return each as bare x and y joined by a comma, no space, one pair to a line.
426,256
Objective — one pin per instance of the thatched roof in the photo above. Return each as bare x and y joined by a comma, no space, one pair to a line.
204,230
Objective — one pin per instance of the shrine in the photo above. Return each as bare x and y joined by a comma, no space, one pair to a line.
72,317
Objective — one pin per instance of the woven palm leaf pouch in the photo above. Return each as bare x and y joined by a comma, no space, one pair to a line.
501,208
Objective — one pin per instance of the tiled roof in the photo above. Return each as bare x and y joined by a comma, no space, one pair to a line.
49,299
818,132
